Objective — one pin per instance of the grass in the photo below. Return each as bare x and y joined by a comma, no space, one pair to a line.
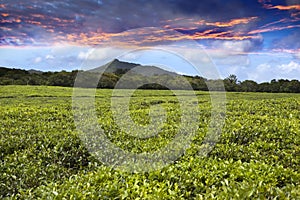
42,155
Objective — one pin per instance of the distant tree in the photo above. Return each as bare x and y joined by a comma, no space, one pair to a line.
215,85
231,83
293,86
264,87
232,79
108,80
249,86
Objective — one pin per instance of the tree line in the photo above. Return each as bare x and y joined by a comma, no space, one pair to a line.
231,83
109,80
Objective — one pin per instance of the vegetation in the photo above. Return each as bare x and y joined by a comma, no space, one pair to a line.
116,69
257,156
282,85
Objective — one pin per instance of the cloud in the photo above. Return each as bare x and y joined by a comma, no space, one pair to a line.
261,73
231,60
293,7
49,57
297,54
95,57
194,23
103,53
289,42
290,67
131,56
37,60
279,28
232,22
268,71
84,55
289,7
238,46
93,22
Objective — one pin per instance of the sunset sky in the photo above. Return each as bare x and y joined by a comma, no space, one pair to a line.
254,39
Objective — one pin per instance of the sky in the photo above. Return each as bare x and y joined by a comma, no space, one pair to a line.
253,39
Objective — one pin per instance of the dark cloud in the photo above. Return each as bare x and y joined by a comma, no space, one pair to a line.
216,9
34,22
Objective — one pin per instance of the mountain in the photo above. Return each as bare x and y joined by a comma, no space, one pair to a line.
33,71
121,67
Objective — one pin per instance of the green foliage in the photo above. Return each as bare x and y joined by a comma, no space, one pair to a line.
112,75
42,156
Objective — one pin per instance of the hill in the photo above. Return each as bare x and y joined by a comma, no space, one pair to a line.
120,67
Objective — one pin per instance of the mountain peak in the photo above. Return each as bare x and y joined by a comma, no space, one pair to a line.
115,60
121,67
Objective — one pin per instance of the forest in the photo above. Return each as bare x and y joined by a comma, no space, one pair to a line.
109,79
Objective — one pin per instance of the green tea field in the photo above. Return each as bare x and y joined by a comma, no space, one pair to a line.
42,156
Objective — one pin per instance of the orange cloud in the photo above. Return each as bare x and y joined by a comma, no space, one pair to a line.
173,20
145,37
38,16
34,22
10,21
273,29
139,37
232,22
5,14
6,28
281,7
62,20
181,22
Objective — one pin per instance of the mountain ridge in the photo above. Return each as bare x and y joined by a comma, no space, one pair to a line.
121,67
